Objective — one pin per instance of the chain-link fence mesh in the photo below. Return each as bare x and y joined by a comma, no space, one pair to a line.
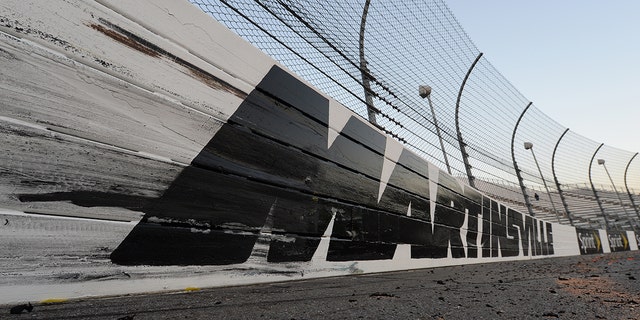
382,51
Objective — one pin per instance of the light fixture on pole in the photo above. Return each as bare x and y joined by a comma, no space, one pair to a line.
425,92
529,146
601,162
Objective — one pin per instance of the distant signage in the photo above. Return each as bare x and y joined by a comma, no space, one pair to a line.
618,241
589,241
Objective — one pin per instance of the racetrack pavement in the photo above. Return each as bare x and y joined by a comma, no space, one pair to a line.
604,286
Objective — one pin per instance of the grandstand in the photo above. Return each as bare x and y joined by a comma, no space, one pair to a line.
580,200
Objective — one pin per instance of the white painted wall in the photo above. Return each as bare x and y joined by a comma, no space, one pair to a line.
85,111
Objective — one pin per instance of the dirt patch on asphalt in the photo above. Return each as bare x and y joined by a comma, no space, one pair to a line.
603,290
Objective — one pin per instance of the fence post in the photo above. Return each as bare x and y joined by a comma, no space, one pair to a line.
626,170
465,155
555,178
364,70
595,193
515,163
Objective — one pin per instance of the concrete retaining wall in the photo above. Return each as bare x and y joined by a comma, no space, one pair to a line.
147,148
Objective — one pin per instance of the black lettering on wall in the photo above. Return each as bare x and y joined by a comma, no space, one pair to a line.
269,169
298,223
542,242
549,238
356,236
473,205
408,184
509,245
516,229
449,217
486,227
213,212
433,241
498,228
450,213
196,219
530,238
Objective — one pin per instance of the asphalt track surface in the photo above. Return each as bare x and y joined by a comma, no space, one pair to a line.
583,287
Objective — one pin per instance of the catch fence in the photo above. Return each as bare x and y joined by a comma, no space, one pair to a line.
372,56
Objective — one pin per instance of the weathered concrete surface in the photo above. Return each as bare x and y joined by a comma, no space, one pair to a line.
146,147
581,287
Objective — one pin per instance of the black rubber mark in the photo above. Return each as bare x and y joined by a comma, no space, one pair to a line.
136,42
128,41
91,199
20,308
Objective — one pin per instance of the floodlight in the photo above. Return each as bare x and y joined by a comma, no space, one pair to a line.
424,91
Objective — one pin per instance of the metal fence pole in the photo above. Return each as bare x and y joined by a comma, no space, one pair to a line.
364,70
555,178
595,193
465,155
626,170
515,163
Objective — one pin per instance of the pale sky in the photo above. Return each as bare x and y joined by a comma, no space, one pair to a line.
577,60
